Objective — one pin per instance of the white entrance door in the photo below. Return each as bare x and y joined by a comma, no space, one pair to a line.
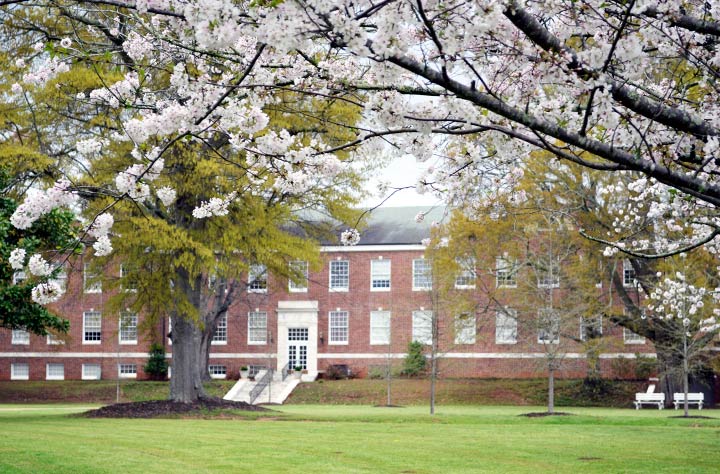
298,348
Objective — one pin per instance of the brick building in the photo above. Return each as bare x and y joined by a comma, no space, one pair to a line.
360,310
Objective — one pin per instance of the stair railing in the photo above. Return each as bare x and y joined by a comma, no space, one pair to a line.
285,371
260,385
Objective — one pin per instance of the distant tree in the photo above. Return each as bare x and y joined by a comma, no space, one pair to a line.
157,365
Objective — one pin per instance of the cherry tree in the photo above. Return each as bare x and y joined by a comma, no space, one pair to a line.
627,88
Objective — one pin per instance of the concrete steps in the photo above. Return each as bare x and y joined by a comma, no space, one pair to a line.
276,391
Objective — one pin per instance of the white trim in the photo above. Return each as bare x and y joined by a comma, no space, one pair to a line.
372,248
54,377
86,377
75,355
17,342
13,375
480,355
128,375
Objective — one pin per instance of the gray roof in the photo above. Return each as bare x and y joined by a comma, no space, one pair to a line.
397,225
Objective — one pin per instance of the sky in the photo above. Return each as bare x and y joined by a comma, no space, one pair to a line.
399,173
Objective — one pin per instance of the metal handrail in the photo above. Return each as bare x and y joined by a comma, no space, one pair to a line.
285,371
260,385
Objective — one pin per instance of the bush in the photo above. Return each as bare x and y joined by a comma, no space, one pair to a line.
414,363
157,366
645,366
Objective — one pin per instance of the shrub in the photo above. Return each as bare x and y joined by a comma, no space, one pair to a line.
157,366
414,363
645,366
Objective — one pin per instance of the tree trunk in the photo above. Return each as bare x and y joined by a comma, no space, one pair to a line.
686,374
551,391
189,359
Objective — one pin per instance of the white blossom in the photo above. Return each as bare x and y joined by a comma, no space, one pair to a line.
17,259
47,292
350,237
166,195
38,266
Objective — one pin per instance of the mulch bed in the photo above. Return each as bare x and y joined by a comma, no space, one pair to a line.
540,414
164,408
695,416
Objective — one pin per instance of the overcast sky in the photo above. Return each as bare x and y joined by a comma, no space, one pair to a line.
400,172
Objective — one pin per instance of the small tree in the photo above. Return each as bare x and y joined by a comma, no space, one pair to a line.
157,366
414,363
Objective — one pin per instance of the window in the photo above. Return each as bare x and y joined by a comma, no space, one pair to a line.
19,277
92,327
257,327
53,340
548,326
299,270
127,371
128,277
549,275
254,369
630,337
629,277
55,372
422,326
505,273
466,273
220,334
339,275
217,371
257,279
91,371
128,328
380,327
338,327
465,328
298,334
422,275
506,326
20,336
590,328
60,277
380,275
91,282
20,371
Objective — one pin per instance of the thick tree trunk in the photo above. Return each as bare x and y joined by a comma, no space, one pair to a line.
551,391
189,361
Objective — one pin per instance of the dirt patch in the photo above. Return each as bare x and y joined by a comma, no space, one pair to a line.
168,408
701,417
387,406
540,414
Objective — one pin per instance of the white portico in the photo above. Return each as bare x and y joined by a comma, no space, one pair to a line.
297,336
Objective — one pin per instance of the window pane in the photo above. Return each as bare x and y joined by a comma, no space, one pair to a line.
339,275
20,336
55,372
380,327
465,329
257,278
92,324
257,327
220,334
422,326
19,371
505,272
548,326
91,371
422,274
380,274
91,282
338,322
299,269
128,327
506,326
466,273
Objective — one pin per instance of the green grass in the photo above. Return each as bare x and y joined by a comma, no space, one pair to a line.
361,439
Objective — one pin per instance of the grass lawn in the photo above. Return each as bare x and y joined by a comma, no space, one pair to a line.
354,439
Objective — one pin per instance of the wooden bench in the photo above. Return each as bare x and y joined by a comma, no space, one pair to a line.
693,399
649,399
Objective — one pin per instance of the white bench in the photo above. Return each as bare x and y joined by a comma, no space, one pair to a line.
649,399
692,398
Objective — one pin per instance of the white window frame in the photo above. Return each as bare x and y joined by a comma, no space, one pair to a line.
422,277
630,337
123,327
505,273
220,335
465,275
20,337
15,373
122,276
380,274
87,329
95,374
465,329
124,371
629,277
60,278
255,330
54,341
298,267
345,276
506,326
542,316
88,287
216,373
588,322
53,366
257,278
380,326
551,278
422,326
338,324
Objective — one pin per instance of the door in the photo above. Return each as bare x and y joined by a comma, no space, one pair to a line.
297,347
